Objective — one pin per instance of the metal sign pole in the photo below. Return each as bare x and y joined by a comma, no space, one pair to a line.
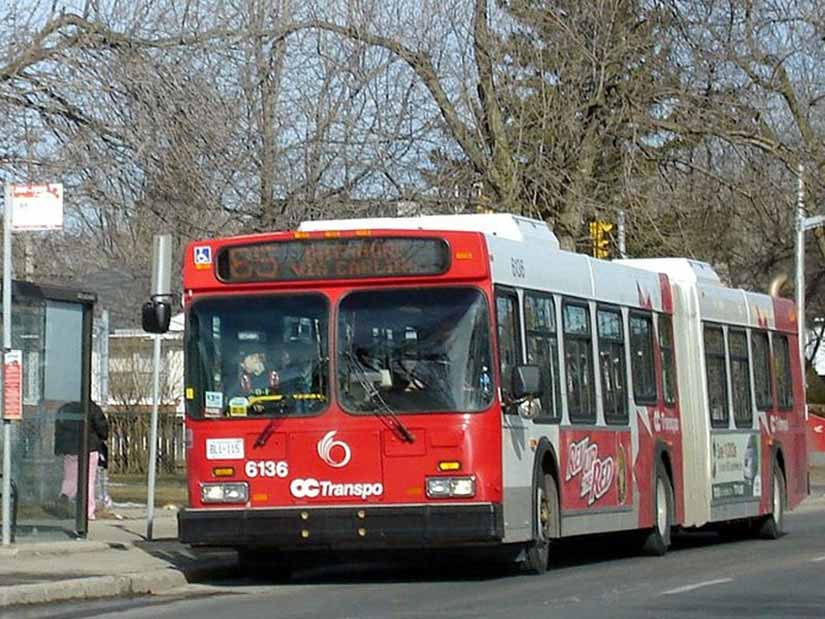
153,440
6,347
161,288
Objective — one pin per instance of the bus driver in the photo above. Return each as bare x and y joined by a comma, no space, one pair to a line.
254,377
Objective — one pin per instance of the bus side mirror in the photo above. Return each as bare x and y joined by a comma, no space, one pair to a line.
526,382
156,316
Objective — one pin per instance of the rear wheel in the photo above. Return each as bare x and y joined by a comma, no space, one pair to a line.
772,526
546,524
657,540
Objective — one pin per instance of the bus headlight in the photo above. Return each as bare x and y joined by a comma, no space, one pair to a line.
446,487
237,492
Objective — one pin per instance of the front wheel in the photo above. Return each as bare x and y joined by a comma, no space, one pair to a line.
772,526
546,519
657,540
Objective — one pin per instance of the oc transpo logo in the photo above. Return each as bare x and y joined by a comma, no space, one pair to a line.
335,453
312,488
305,488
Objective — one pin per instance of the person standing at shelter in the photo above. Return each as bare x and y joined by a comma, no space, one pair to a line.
67,430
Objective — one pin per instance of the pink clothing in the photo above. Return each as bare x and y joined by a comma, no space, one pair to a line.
69,486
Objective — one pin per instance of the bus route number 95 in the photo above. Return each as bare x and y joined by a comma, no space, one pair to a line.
266,468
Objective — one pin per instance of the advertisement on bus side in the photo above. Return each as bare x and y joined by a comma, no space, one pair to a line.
596,469
735,466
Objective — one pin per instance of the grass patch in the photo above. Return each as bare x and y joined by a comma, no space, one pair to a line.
134,488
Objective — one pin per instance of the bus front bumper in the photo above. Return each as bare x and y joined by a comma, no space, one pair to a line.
352,527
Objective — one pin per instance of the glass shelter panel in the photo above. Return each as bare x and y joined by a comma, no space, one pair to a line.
46,445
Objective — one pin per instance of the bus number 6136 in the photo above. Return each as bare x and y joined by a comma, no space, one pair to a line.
266,468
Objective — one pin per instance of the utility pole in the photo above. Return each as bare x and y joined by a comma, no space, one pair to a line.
800,263
802,225
621,234
6,507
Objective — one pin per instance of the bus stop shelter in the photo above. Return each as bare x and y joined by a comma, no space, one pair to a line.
52,327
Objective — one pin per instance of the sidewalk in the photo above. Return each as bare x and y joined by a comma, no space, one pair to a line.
115,560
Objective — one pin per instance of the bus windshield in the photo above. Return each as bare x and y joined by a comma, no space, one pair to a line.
414,350
257,356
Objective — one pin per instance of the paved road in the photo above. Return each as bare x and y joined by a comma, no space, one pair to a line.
703,575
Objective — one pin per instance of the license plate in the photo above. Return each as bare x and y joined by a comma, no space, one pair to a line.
224,449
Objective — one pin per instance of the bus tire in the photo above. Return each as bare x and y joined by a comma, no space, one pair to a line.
263,565
772,526
545,519
657,540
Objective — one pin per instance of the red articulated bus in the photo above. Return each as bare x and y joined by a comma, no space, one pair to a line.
460,382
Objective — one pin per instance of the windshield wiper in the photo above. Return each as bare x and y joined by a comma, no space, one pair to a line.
382,410
265,434
269,428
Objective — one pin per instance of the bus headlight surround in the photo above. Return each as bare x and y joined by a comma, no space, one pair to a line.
235,492
451,487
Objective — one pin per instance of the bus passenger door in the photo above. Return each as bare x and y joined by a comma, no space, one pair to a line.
517,456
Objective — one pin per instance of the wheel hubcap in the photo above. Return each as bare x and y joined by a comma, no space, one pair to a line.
543,514
777,501
661,507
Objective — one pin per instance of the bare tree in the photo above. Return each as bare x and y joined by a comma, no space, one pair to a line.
252,115
157,119
753,71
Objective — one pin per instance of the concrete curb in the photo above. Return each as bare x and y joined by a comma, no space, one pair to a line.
56,548
136,583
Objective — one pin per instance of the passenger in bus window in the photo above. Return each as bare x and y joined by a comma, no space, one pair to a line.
254,376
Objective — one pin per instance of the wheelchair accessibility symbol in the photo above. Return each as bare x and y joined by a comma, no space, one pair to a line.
203,257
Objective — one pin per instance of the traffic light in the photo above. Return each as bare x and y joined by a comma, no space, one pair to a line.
600,240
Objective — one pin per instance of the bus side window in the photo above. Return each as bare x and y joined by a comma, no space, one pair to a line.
578,362
716,374
740,378
509,338
763,394
666,350
543,351
782,366
612,364
642,364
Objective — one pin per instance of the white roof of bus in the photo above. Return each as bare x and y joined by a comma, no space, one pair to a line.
501,225
678,269
716,301
583,276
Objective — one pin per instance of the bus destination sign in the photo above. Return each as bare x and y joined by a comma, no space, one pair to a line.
333,259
